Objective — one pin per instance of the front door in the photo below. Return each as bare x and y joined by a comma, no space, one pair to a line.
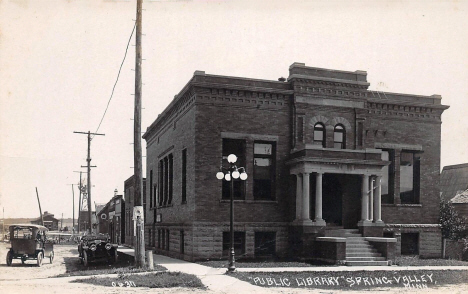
332,197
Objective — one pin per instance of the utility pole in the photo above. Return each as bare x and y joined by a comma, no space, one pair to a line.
89,175
137,152
80,186
73,203
40,210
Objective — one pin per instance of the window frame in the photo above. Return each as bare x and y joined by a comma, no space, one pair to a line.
339,128
239,186
413,196
272,170
320,127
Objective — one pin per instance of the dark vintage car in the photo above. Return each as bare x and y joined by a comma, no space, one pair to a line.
94,247
29,242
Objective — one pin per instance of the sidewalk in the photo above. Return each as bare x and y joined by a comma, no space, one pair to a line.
214,279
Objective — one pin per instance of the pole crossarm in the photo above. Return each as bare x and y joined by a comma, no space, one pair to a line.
88,159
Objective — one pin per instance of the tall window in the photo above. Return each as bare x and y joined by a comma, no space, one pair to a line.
264,170
409,177
151,189
236,147
339,137
319,134
171,178
161,182
166,174
184,176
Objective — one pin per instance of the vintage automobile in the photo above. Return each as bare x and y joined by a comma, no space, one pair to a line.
29,242
94,247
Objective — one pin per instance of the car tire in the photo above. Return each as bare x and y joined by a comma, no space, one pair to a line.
51,256
9,258
40,256
85,258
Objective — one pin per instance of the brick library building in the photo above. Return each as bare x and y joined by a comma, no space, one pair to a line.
336,172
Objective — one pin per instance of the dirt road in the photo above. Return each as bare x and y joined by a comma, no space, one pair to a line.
29,278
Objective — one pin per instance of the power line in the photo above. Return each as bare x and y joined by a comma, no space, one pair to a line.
115,84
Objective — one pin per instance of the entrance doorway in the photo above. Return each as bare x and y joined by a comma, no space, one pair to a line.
341,203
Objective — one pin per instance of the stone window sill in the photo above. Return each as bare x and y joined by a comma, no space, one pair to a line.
250,201
401,205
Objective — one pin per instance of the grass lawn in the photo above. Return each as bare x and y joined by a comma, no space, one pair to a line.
150,280
416,261
356,280
124,265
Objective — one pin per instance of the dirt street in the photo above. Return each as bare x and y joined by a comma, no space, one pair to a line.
29,278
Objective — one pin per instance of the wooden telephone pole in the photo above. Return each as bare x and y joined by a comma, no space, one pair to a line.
79,200
73,204
137,153
40,210
89,176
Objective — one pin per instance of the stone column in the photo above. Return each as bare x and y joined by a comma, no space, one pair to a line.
318,199
378,201
305,196
365,198
298,196
371,198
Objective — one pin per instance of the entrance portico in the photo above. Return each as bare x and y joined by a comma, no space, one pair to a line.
317,162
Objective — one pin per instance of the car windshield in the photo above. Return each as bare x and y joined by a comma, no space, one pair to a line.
23,233
102,237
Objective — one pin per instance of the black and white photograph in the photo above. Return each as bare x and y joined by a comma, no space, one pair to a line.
215,146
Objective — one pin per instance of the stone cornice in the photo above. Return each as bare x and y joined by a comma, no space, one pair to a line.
404,105
332,82
242,88
179,105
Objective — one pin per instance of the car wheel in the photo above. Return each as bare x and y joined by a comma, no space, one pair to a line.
85,258
9,258
39,259
51,256
115,259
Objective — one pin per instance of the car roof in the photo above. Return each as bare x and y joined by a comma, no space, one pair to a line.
42,228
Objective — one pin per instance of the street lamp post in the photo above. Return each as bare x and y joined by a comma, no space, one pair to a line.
231,174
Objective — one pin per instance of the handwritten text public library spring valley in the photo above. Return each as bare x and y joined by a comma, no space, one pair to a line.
408,281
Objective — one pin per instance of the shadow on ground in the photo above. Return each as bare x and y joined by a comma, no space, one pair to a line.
73,264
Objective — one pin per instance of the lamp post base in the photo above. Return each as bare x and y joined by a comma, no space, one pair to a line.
232,263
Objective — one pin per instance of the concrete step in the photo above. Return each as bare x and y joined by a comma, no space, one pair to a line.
358,245
365,258
363,254
356,241
367,263
360,250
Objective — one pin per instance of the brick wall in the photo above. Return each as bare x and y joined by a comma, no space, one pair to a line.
270,123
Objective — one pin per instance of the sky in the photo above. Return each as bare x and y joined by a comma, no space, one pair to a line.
59,62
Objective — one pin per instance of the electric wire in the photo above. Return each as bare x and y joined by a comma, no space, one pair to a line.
115,84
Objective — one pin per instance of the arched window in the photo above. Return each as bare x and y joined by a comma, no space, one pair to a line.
339,137
319,134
